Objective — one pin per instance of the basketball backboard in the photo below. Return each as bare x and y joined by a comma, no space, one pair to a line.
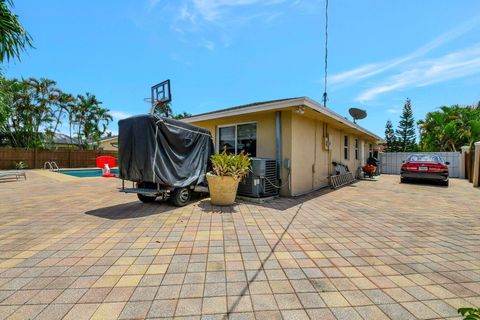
160,94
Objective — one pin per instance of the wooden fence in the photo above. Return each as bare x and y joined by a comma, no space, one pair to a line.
35,158
470,164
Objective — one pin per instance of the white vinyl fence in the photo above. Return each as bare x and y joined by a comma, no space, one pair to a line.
390,162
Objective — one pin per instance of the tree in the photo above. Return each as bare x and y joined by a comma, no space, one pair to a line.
182,115
90,119
450,128
13,37
163,109
32,111
390,138
406,129
13,95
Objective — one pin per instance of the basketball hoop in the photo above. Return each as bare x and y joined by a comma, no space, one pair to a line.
153,102
160,95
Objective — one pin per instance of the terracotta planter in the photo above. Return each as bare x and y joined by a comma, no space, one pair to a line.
223,189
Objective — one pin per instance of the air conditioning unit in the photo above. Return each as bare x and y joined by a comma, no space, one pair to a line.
262,181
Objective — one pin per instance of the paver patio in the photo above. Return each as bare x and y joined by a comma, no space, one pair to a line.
375,250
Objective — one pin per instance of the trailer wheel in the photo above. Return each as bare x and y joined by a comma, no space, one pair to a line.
146,199
180,196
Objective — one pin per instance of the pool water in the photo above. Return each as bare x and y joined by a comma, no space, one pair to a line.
86,173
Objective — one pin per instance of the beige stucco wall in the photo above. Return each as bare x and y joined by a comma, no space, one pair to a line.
302,144
311,162
266,144
265,130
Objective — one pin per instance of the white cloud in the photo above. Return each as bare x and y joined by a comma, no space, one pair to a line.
118,115
219,17
393,110
459,64
372,69
212,10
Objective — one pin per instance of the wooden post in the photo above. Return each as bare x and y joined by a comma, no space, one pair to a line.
35,156
471,158
463,162
476,165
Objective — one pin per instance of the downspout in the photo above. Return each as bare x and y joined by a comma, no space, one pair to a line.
278,142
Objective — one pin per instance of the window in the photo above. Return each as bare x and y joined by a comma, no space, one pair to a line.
227,139
425,157
238,138
370,150
345,148
356,149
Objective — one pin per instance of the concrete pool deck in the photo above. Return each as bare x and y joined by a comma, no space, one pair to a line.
78,249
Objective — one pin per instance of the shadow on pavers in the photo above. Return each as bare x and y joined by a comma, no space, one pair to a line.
135,209
280,203
206,206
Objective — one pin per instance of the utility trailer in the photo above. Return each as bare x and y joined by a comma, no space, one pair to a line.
162,157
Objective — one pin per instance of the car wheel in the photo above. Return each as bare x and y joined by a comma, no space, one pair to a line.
445,183
180,196
403,180
145,199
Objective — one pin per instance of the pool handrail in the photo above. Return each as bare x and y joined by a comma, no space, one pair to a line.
52,166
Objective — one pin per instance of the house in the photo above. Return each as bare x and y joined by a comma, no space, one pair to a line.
108,143
302,134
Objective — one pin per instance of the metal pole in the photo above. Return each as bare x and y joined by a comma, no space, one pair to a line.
278,140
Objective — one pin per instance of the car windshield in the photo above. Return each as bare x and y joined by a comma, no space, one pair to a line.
424,157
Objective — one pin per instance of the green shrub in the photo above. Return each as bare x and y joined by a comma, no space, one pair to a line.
470,313
237,166
21,165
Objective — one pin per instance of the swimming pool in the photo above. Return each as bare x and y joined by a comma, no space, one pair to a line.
86,173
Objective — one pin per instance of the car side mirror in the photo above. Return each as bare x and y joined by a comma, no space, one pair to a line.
403,161
447,163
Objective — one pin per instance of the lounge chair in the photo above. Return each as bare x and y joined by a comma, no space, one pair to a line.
12,174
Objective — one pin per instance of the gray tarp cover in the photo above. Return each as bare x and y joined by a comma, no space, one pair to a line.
162,150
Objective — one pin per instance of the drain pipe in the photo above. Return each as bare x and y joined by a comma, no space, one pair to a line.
278,141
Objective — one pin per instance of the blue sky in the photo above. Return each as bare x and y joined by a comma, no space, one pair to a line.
222,53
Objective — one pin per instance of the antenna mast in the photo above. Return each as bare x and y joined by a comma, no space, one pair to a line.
325,96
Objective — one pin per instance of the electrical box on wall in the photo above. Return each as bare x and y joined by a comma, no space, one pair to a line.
326,142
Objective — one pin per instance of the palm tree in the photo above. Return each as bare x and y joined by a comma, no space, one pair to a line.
64,105
84,104
13,37
44,95
91,119
450,128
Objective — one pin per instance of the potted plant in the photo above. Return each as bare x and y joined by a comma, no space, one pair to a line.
228,171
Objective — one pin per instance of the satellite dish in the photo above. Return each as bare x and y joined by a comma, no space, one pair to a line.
357,114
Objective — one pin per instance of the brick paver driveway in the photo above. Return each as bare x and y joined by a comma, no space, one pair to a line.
374,250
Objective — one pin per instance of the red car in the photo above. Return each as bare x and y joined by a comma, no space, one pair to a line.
425,167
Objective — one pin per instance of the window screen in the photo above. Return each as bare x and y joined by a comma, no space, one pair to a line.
345,147
238,138
247,138
226,139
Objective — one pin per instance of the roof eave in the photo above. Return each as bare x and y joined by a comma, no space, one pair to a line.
246,110
332,114
281,105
